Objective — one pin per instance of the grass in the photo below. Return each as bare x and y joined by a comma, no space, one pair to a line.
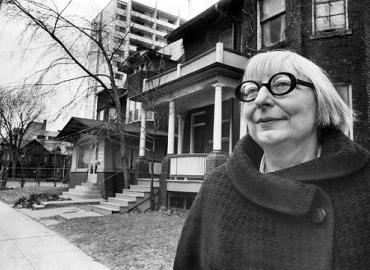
127,241
121,241
10,196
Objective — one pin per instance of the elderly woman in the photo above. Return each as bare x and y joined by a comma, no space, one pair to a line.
295,194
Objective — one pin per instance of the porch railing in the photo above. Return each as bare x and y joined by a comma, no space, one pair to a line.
215,55
188,166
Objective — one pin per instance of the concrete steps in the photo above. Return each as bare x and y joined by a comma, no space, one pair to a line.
84,191
136,196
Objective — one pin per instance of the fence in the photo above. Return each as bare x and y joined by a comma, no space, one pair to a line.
38,174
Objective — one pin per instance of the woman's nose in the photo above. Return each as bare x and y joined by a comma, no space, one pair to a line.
264,97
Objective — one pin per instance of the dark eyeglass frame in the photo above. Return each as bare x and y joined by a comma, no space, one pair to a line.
293,79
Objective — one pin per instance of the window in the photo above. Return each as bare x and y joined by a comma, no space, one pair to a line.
120,17
121,6
345,92
227,38
133,111
83,158
272,19
118,76
100,115
120,28
329,15
149,116
112,114
40,137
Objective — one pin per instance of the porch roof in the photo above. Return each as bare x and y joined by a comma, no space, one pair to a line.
196,82
77,126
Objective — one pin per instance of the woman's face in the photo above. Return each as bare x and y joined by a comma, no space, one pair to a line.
273,120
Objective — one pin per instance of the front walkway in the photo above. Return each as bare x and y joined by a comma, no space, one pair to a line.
26,244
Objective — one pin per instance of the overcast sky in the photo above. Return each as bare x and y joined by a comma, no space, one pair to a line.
14,68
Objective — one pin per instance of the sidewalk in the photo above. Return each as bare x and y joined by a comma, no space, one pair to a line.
28,245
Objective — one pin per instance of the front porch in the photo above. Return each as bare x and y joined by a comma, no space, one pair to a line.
203,119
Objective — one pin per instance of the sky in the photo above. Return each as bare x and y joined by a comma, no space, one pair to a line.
14,66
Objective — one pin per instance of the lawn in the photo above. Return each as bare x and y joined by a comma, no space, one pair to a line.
127,241
10,196
121,241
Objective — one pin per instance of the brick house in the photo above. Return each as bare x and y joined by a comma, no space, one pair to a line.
198,95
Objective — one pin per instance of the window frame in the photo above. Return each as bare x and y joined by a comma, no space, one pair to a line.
330,30
261,21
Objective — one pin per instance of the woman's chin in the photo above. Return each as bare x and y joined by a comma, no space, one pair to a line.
270,137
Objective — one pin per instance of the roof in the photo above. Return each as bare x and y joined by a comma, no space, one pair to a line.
180,31
77,126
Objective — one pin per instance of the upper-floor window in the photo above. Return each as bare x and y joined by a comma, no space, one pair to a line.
227,38
121,6
329,14
272,19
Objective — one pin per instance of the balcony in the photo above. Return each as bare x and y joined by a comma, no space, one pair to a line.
144,40
213,56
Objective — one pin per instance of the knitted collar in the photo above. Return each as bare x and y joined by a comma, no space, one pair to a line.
292,190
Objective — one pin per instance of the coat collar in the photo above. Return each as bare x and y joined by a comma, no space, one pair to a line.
292,190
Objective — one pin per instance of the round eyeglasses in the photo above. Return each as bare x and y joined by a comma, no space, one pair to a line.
280,84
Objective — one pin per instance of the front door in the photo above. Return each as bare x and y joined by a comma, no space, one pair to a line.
93,164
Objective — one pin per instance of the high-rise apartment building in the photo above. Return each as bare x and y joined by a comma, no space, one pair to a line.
133,26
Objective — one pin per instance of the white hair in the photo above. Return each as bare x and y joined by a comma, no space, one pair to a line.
331,109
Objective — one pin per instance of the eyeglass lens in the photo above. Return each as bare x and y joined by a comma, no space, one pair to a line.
278,84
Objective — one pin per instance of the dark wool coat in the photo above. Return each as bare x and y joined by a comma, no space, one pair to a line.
315,215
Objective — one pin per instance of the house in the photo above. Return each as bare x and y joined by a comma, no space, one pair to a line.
41,157
198,95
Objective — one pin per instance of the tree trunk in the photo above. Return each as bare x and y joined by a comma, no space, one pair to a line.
14,167
152,201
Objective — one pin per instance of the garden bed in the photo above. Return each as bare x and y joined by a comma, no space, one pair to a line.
11,196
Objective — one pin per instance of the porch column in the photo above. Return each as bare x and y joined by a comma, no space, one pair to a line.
243,122
142,133
171,128
217,119
180,133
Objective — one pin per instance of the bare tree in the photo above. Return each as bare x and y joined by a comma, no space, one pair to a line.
19,108
94,48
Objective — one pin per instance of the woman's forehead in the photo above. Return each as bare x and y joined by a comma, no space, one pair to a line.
260,74
267,67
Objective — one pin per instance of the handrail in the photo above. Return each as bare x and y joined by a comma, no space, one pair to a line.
140,203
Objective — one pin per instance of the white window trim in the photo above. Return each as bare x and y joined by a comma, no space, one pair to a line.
314,17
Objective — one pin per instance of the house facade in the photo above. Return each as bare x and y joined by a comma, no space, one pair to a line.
203,116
